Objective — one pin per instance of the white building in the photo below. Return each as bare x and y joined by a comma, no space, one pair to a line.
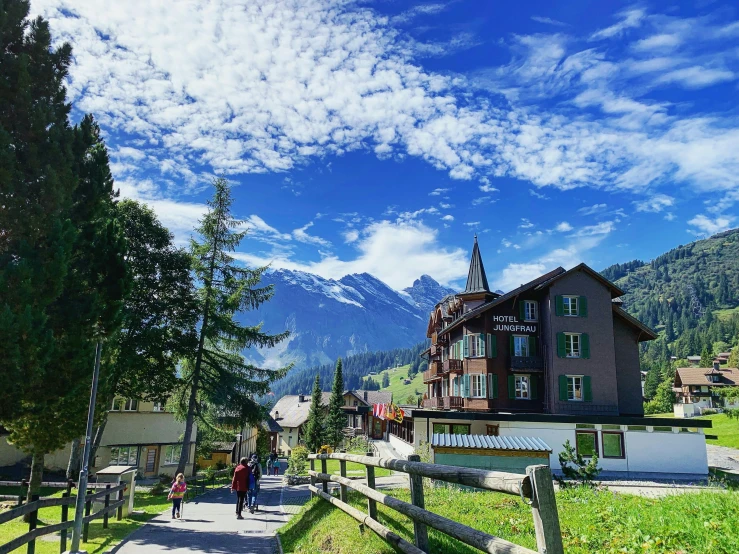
697,389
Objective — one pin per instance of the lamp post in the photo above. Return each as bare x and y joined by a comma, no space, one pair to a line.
79,506
238,438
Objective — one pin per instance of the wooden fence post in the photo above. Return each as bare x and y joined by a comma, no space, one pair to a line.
544,510
86,526
324,470
107,503
32,525
420,532
65,517
312,478
342,472
119,514
371,504
21,493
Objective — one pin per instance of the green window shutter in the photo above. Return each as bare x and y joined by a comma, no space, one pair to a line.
584,346
532,345
559,307
561,346
494,385
484,391
481,340
534,384
587,389
522,310
582,309
511,386
466,346
466,386
563,388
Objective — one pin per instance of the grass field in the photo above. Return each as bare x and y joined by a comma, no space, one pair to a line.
604,522
725,429
726,314
399,390
100,540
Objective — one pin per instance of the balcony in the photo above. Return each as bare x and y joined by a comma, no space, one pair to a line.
433,373
434,402
527,363
453,366
453,402
442,340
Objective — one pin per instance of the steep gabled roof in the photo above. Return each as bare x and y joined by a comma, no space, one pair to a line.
686,376
630,319
477,281
615,291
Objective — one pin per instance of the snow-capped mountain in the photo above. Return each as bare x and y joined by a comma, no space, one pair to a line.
330,318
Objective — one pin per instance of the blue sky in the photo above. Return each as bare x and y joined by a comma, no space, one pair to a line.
380,136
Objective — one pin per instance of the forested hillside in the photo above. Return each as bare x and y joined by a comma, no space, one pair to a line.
690,296
354,368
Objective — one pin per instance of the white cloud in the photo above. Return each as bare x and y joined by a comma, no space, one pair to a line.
594,209
602,228
391,251
629,19
488,188
538,195
483,200
697,76
471,223
439,191
351,236
448,218
302,236
669,216
525,224
548,21
662,41
445,206
563,227
710,226
655,203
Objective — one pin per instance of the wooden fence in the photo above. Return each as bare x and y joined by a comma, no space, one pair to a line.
535,488
65,502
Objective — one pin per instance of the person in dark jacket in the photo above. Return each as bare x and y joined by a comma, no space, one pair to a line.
240,484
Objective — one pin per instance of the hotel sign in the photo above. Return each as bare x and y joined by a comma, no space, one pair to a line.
510,323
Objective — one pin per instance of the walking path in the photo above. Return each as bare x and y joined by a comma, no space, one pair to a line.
209,524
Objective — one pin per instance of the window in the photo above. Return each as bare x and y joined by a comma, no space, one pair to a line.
289,441
522,387
520,345
451,429
158,407
491,430
440,428
586,443
460,429
404,431
130,405
613,444
530,311
172,454
475,345
124,455
574,388
572,345
570,305
477,382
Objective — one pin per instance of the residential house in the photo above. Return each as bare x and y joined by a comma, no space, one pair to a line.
291,412
694,361
222,454
698,389
554,360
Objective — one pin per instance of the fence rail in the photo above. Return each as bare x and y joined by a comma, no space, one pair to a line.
65,501
535,488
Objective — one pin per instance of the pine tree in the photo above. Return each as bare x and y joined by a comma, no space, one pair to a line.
581,472
314,427
220,375
336,419
385,380
706,357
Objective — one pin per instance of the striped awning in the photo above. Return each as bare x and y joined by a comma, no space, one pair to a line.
507,442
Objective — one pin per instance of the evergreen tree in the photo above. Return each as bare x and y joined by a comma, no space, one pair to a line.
220,376
385,380
706,357
336,419
314,427
734,357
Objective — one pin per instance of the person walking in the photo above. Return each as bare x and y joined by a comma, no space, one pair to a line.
276,465
270,465
176,494
254,477
240,484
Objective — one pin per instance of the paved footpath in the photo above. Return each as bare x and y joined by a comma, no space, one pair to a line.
209,524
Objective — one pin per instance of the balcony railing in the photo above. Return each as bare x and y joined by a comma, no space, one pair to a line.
433,373
442,340
530,363
453,402
452,365
433,402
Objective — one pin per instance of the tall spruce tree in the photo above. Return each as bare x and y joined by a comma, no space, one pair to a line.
220,376
336,418
706,357
314,427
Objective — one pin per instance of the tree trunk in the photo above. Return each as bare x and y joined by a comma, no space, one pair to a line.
99,430
37,474
75,457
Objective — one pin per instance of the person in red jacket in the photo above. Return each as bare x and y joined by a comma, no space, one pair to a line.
240,484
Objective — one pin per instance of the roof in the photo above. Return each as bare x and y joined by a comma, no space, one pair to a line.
374,396
650,335
270,425
223,446
699,376
477,281
292,412
694,358
116,470
615,291
487,442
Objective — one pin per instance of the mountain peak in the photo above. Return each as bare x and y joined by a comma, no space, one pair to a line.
426,292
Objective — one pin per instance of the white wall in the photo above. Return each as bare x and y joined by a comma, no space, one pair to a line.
401,447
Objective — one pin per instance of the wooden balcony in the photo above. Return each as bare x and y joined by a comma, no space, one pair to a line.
433,373
442,340
527,363
453,366
453,402
435,402
436,350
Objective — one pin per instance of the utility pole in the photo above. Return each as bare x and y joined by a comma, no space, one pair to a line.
79,506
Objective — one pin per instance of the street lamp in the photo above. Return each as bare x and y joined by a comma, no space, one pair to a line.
238,438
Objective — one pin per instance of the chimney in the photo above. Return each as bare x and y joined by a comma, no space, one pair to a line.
716,366
365,396
301,398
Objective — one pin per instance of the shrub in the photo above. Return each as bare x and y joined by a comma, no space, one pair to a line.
581,473
708,411
220,464
298,460
326,449
209,472
158,489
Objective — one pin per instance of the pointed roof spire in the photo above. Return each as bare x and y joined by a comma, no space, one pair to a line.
477,281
